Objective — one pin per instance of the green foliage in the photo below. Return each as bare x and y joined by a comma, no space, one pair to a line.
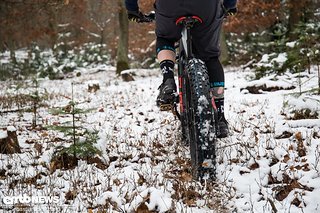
306,51
300,54
270,63
36,101
252,46
83,140
245,47
54,64
81,150
6,71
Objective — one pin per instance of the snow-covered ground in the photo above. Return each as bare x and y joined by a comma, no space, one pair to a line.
270,163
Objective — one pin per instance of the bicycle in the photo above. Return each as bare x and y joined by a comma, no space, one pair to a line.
197,106
198,112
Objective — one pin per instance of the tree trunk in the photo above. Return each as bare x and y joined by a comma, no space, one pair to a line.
11,47
53,25
296,14
122,51
318,78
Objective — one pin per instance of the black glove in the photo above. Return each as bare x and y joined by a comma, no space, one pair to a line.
229,12
137,16
232,11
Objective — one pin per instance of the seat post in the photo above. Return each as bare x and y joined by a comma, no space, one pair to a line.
188,23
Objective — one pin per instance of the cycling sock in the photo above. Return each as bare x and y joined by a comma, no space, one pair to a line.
218,94
167,67
220,105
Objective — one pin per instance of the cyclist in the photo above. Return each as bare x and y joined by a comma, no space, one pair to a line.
205,39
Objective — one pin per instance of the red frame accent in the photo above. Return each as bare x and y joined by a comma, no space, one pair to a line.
214,104
180,95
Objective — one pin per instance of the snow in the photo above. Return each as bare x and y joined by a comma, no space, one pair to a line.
278,59
282,57
11,129
159,200
3,134
291,44
148,165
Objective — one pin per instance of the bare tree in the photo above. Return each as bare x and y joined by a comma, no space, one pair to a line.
122,51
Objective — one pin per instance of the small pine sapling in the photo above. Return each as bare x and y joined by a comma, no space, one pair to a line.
83,140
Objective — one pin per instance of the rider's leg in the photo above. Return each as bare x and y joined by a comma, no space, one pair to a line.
216,78
166,55
166,58
206,47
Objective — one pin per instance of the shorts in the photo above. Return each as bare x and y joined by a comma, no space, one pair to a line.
205,36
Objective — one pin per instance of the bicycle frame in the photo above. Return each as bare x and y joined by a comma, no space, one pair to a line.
199,147
185,49
196,105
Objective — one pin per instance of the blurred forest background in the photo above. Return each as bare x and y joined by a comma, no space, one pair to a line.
75,33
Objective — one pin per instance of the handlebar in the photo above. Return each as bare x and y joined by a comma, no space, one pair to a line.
151,17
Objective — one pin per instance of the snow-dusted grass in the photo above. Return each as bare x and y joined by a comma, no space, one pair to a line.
270,160
147,165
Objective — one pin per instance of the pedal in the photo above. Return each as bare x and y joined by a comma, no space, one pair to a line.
166,107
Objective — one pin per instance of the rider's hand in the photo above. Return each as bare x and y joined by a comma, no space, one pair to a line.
137,16
229,11
232,11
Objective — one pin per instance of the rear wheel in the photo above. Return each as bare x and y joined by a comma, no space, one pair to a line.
200,118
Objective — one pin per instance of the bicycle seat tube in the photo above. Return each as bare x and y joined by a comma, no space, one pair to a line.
188,22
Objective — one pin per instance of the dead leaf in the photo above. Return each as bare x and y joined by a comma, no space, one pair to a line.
291,147
186,177
296,202
235,160
44,134
254,166
143,208
298,167
243,172
117,182
141,179
305,167
301,149
298,136
286,158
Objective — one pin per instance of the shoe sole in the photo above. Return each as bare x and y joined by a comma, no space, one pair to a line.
222,135
166,107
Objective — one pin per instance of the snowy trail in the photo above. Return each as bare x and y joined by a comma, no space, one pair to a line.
260,168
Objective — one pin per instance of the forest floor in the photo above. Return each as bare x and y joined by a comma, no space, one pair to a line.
269,163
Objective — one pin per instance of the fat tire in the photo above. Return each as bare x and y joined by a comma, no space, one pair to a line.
201,125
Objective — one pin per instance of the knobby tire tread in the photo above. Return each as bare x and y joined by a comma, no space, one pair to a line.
201,126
